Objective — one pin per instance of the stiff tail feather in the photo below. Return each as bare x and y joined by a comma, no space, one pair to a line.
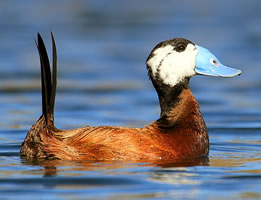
33,145
48,79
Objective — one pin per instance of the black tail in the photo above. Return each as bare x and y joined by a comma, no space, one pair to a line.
48,80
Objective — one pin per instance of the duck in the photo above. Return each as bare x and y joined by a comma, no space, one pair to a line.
180,132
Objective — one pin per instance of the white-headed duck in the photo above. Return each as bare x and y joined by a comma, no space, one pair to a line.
179,133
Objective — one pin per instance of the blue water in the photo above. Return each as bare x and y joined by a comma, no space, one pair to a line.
102,48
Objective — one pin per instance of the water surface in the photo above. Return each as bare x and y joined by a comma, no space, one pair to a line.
102,48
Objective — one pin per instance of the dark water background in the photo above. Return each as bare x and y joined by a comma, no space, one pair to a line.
102,48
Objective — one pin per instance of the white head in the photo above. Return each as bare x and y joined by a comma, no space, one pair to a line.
177,59
173,60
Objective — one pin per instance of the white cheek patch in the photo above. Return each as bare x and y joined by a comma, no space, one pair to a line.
178,65
157,58
174,66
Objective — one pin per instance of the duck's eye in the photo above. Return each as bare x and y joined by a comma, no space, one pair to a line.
180,47
214,62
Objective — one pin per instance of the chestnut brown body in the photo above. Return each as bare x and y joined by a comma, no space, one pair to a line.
185,137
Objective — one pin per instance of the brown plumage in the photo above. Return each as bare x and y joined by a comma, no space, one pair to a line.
179,133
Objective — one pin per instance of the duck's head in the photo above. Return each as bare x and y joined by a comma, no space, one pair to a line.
176,60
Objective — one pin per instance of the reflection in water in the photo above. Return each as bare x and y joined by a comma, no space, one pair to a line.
52,167
136,176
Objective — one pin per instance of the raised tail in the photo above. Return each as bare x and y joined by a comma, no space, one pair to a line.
34,145
48,79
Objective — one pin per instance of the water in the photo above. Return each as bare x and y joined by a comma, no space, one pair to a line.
102,48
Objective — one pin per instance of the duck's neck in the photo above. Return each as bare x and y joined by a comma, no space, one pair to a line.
178,106
169,96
